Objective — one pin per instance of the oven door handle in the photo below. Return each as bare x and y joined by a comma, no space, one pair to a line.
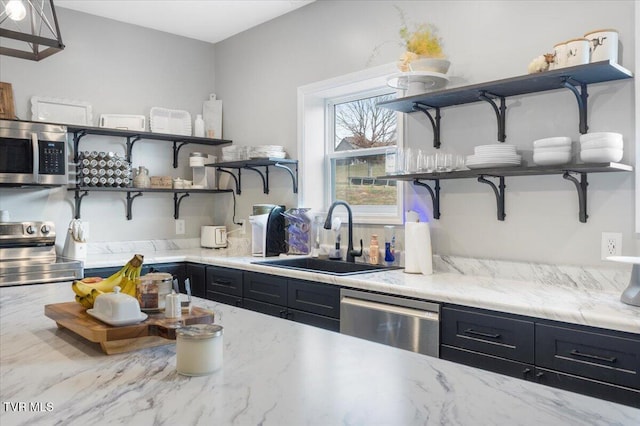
36,157
393,309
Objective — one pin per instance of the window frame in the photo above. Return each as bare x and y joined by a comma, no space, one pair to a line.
313,134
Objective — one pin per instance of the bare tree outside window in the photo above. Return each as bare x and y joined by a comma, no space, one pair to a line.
360,126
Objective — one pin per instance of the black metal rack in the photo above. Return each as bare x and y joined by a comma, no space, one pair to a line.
133,193
566,170
252,164
133,136
576,79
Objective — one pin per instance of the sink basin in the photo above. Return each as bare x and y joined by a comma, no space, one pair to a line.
333,267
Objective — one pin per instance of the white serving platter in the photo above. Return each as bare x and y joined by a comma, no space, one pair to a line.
63,111
123,121
171,121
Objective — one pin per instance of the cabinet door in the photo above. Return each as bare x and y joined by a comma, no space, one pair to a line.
227,299
265,288
224,280
319,321
488,333
317,298
197,278
265,308
101,272
597,389
594,355
488,362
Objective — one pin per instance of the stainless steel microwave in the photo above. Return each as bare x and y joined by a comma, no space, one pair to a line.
33,153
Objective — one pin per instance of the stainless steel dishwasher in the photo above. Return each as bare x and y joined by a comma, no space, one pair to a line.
408,324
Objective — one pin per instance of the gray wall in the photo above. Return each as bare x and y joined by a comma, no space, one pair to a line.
119,69
258,72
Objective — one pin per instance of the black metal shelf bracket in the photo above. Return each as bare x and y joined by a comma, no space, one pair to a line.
130,199
130,141
581,187
264,176
237,179
78,202
294,176
498,191
434,193
176,150
76,143
176,204
501,112
435,123
581,96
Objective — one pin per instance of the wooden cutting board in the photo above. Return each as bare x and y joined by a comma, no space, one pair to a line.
154,331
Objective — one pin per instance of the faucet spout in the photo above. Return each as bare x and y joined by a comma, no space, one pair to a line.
351,253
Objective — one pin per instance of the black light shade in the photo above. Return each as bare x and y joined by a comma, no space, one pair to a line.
29,29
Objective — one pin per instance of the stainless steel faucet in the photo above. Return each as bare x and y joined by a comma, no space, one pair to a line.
351,253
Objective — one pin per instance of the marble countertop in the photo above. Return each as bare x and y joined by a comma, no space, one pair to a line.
275,372
570,294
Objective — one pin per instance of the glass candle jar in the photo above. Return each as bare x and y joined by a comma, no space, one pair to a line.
198,349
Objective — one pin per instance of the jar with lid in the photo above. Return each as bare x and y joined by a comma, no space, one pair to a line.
197,159
199,349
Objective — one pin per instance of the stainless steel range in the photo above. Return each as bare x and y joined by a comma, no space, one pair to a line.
28,255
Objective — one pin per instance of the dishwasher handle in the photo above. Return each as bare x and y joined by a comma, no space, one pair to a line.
393,309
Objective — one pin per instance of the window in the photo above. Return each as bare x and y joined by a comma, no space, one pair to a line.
342,151
358,138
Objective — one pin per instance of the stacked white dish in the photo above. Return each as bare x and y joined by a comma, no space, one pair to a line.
552,151
233,153
267,151
601,147
493,155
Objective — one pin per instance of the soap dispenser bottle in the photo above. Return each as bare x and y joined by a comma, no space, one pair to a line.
374,250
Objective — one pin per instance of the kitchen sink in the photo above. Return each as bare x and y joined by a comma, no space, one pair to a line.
332,267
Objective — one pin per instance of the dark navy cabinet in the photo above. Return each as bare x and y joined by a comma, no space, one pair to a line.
224,285
600,363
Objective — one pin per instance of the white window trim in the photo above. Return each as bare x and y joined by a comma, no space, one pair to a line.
312,129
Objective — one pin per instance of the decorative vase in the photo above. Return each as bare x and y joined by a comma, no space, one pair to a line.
437,65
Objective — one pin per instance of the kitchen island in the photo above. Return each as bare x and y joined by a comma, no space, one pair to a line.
275,372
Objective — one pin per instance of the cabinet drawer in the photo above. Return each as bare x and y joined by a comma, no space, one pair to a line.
489,334
487,362
264,308
224,280
322,299
227,299
597,389
266,288
319,321
594,355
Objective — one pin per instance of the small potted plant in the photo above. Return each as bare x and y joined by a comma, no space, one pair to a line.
423,49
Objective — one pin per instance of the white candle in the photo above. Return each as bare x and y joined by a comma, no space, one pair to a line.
199,349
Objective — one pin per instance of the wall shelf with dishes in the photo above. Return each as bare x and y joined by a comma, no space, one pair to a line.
286,164
131,137
575,78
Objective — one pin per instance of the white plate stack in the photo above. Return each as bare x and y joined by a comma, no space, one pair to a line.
493,155
601,147
552,151
267,151
233,153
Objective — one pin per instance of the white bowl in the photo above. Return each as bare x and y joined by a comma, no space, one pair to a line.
562,148
551,158
430,64
600,135
602,143
601,155
555,141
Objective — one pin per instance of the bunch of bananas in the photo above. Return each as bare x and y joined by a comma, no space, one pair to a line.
88,289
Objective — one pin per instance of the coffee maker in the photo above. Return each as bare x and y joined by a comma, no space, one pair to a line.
268,233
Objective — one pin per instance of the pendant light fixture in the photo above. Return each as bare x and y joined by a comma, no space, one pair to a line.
29,29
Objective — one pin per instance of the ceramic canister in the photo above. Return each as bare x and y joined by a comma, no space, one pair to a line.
559,56
604,45
578,51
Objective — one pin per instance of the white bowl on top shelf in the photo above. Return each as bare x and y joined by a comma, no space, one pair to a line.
551,158
552,142
600,135
601,155
602,143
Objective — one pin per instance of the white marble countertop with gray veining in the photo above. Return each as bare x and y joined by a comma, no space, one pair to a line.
585,296
275,372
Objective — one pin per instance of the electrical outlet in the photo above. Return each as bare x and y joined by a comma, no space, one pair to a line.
611,244
180,227
243,226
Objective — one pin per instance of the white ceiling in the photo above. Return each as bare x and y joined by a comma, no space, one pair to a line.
206,20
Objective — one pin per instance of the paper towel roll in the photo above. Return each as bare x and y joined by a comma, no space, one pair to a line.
417,247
